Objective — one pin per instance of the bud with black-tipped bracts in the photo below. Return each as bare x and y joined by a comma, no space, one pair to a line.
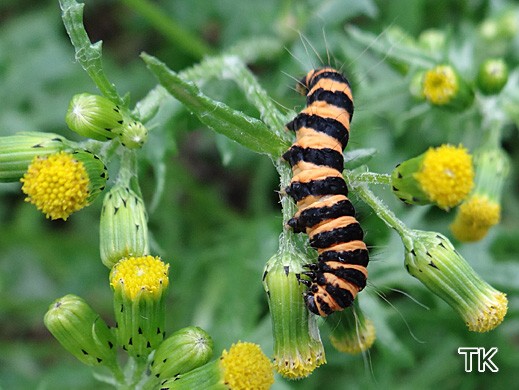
81,331
432,259
94,116
183,351
123,228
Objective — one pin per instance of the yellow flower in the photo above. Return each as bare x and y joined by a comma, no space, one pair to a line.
146,275
475,217
440,84
482,209
446,175
244,367
58,185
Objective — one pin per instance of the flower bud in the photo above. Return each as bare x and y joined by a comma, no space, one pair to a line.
19,150
183,351
298,349
81,331
492,76
433,40
351,331
94,116
431,258
123,228
140,285
133,134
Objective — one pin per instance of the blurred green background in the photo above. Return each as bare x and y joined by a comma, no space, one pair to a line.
217,220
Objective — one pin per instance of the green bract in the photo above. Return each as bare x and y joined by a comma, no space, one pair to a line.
17,152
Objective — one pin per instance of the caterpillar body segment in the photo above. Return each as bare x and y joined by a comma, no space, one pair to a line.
325,213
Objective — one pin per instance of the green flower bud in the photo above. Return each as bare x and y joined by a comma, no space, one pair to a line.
133,134
492,76
431,258
351,331
183,351
140,286
19,150
81,331
504,27
432,40
298,349
444,87
94,116
123,228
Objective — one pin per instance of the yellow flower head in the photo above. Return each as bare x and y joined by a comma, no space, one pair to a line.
246,367
446,175
58,185
440,84
491,312
145,275
475,217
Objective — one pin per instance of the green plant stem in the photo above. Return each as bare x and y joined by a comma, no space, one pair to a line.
170,29
378,206
87,54
127,175
371,178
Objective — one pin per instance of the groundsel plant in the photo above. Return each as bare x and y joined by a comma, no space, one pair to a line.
60,177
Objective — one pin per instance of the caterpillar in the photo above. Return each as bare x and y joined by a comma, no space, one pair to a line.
325,213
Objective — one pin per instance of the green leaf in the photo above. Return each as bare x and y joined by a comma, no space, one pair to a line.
250,132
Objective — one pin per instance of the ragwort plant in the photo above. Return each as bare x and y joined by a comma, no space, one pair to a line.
61,176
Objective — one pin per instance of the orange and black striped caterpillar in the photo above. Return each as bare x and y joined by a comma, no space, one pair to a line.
324,211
